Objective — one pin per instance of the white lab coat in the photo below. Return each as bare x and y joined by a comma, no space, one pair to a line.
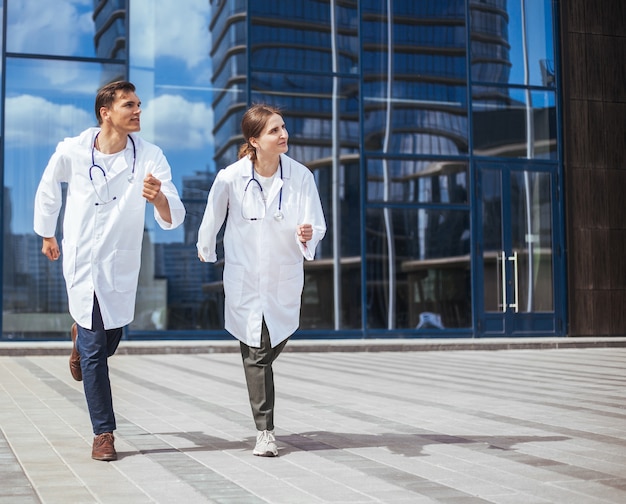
263,259
101,246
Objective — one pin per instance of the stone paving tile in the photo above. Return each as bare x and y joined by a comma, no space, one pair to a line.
506,427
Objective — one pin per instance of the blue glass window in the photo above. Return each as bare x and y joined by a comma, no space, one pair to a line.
513,42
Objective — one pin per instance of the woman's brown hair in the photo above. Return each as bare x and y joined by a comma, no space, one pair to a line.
252,124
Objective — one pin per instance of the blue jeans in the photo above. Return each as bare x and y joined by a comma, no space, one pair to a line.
95,347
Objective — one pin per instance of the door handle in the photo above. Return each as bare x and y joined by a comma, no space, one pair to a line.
515,283
503,280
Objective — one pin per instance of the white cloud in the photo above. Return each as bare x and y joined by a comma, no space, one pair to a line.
170,121
51,27
175,29
177,123
34,121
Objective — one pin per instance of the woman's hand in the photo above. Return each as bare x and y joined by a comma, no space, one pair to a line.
304,232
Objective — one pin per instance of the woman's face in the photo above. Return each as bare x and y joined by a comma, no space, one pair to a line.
273,139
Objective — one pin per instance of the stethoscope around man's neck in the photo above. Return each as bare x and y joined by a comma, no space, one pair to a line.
131,177
278,215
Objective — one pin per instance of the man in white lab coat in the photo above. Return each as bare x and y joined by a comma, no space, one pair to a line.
110,174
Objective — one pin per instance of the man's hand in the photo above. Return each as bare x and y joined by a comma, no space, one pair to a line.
50,248
152,192
151,188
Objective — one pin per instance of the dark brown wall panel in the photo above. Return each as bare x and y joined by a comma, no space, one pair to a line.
617,242
576,129
615,119
577,75
612,17
593,76
618,314
595,63
580,255
581,313
616,201
614,89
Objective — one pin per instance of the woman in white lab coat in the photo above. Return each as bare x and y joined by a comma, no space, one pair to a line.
110,174
274,222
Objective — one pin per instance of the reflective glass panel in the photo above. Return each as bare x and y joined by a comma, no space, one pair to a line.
61,28
418,269
171,67
531,227
513,122
491,190
414,69
417,180
512,42
519,214
46,101
304,35
324,135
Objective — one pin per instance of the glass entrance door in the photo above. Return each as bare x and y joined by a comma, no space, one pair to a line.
518,257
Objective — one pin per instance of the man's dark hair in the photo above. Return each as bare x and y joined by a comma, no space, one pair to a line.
106,95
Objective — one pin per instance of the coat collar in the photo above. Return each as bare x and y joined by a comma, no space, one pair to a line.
87,137
245,166
121,164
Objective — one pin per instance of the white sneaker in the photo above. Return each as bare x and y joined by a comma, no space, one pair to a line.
265,444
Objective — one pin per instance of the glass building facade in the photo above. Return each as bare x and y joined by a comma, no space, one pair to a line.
432,129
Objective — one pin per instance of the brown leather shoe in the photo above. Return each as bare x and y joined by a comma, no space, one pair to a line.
103,448
75,369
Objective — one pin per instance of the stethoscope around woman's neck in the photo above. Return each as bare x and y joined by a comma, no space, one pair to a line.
279,214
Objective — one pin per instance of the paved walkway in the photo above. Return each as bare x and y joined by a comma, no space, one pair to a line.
514,426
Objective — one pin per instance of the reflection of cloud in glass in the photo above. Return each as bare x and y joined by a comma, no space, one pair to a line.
66,74
49,27
33,121
177,123
176,29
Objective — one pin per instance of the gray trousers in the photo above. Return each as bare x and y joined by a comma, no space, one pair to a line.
257,366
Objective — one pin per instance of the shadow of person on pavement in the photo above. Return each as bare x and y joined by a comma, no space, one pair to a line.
408,445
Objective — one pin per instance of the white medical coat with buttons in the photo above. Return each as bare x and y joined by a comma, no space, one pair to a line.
263,259
102,236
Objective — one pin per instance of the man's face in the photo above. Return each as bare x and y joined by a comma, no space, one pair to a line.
124,114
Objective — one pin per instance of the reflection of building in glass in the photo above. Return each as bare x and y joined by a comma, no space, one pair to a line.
109,17
507,122
303,58
110,38
392,102
178,262
416,136
194,193
31,283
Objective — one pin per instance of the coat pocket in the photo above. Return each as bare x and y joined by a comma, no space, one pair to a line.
126,270
233,283
290,284
69,263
